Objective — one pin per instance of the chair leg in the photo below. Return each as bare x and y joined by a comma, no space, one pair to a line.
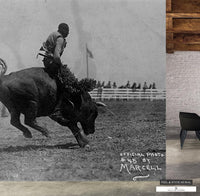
183,135
198,134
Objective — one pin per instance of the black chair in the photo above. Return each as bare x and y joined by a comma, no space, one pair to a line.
189,122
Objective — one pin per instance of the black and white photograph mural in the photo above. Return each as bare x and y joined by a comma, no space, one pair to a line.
82,90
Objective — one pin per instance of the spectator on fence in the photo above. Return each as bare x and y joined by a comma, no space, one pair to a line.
145,87
108,85
114,85
150,86
98,84
128,84
139,86
103,84
133,87
154,86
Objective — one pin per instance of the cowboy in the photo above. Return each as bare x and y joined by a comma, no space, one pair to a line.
54,47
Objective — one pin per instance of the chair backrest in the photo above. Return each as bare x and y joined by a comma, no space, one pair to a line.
189,121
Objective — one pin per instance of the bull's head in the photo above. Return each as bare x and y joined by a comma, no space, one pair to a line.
88,108
88,113
81,108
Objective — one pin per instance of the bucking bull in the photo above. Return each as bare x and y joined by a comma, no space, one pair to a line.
34,93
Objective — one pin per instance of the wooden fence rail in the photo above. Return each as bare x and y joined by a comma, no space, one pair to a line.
127,94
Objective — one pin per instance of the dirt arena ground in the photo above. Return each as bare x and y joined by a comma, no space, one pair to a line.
133,126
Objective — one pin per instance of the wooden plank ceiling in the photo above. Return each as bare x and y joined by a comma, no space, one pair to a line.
182,25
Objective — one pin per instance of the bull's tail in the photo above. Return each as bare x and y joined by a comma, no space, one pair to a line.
3,67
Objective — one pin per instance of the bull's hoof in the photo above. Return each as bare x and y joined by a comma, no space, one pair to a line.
83,144
87,147
85,140
27,135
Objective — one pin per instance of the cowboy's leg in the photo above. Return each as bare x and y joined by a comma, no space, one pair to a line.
69,81
57,114
51,67
63,110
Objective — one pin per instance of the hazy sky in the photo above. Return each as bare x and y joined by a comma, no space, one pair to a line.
126,37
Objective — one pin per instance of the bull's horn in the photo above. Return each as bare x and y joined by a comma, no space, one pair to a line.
3,67
101,104
71,103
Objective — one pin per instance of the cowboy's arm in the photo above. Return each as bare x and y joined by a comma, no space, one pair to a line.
58,50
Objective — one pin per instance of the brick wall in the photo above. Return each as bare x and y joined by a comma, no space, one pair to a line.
182,85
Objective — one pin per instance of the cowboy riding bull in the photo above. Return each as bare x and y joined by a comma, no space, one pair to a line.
34,93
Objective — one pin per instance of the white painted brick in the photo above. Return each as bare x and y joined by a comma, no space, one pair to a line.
182,85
